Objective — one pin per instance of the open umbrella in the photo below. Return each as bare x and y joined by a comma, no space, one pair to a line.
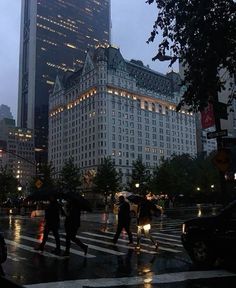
43,195
79,200
136,199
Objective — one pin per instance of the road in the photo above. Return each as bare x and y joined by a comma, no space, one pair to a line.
105,265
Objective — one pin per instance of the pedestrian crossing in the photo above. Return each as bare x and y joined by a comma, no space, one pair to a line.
100,242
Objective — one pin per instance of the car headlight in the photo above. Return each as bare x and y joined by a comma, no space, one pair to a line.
183,228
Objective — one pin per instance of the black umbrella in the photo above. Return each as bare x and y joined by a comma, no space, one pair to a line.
79,200
136,199
43,195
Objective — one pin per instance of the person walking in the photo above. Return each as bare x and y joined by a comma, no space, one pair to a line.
72,224
123,220
144,219
52,223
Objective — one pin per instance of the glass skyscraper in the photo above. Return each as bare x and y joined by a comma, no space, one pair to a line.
55,35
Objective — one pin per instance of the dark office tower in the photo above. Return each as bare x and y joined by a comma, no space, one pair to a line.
55,35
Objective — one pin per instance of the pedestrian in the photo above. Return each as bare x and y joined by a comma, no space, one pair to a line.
52,223
123,220
72,224
144,213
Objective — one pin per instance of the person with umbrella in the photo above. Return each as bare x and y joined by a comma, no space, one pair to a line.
52,223
123,220
72,222
144,218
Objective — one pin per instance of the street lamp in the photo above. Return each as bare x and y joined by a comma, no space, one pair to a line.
198,188
137,185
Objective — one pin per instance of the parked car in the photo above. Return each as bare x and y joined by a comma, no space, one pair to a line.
209,238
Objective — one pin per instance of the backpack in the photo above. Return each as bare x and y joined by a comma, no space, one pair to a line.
3,249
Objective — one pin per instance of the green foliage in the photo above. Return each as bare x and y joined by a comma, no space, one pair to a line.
140,175
8,184
107,179
173,176
201,34
70,177
181,175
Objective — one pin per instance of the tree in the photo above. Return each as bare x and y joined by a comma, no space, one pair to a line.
107,179
70,177
194,178
45,173
174,176
202,35
141,176
8,184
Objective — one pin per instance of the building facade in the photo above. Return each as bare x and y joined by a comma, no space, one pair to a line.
17,151
119,109
5,112
55,36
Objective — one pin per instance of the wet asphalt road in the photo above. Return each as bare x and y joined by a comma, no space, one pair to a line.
105,265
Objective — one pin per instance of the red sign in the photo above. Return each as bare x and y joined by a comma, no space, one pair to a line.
207,117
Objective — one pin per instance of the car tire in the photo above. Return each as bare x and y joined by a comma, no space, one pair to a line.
201,254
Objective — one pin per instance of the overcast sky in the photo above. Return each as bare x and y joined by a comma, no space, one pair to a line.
132,22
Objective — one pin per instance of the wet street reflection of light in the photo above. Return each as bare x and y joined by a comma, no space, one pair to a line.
147,282
199,214
40,230
15,227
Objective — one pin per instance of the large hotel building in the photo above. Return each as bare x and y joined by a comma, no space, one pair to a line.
119,109
55,36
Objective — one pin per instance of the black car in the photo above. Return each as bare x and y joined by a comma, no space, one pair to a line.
207,239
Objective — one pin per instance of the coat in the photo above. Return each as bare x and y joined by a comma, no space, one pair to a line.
124,212
52,215
145,210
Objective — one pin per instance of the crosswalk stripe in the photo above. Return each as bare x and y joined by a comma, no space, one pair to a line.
147,245
118,244
166,234
53,245
170,241
159,237
137,280
170,230
13,258
98,248
28,248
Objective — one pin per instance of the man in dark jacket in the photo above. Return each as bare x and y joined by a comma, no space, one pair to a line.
72,224
123,220
52,223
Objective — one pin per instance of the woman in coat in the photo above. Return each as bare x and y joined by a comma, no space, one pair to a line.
145,209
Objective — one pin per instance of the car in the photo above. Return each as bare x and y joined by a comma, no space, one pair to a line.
207,239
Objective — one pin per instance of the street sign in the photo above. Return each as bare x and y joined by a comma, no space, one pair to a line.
38,183
215,134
